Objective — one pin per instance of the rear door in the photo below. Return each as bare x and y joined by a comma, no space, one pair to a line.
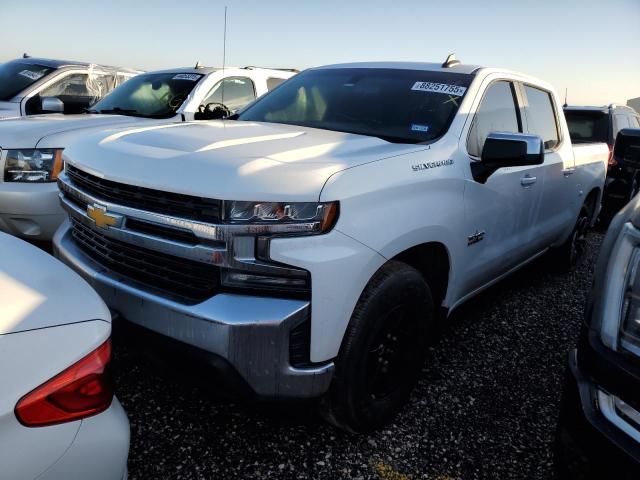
556,210
500,214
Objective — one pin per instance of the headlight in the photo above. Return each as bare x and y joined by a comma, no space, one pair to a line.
619,316
630,318
33,165
281,217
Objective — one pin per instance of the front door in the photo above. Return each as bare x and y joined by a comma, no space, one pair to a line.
501,213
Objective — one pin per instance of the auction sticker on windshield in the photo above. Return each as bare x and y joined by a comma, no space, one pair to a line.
187,76
31,75
439,88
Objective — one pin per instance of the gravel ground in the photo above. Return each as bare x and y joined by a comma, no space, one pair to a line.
486,405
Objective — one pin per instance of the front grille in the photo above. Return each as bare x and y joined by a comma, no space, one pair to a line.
185,280
168,203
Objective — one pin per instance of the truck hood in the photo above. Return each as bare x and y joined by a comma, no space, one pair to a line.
228,159
26,132
38,291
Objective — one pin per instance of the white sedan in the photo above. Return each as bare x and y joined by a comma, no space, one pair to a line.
59,418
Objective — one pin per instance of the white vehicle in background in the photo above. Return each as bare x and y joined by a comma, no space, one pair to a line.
309,243
30,148
33,86
59,419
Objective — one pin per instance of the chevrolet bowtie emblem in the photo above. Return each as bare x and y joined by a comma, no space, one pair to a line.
99,215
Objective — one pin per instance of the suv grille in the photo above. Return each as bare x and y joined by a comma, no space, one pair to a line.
175,204
185,280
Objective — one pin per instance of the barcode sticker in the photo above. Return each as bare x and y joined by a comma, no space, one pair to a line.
187,76
439,88
31,75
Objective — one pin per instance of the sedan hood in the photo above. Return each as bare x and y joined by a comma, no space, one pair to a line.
228,159
26,132
37,291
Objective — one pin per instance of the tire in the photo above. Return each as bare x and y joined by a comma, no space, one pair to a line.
567,255
383,350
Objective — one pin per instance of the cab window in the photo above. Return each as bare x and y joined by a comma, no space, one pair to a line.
72,90
234,92
497,113
541,116
273,82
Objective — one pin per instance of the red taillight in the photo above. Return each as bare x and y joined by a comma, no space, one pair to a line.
82,390
612,161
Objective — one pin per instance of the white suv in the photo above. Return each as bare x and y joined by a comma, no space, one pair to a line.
31,147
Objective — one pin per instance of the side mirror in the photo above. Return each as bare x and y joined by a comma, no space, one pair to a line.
507,150
627,149
52,105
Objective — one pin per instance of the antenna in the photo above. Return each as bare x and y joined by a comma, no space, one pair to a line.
566,95
451,61
224,51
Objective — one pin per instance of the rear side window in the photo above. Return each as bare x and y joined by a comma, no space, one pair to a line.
541,116
497,113
587,126
273,82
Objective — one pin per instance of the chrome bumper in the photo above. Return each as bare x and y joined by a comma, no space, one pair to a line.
251,333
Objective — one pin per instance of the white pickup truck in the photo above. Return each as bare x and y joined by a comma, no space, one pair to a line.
32,86
310,243
31,147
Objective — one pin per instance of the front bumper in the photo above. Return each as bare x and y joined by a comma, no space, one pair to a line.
588,444
30,210
251,333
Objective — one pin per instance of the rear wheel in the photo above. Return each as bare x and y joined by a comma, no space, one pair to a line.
383,350
568,254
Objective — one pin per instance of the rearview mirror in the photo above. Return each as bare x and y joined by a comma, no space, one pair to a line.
627,149
52,105
507,150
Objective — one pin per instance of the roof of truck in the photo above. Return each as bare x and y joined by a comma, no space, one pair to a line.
53,63
208,70
596,108
427,66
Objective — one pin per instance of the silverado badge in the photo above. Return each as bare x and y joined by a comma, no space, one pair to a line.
99,215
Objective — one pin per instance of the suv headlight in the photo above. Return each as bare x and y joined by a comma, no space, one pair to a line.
283,217
33,165
620,312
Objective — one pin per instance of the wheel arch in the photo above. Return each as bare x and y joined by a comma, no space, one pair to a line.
593,200
433,261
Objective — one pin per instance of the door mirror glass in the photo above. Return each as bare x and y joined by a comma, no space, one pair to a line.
507,150
52,105
627,148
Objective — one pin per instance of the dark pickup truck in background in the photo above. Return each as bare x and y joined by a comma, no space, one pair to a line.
602,124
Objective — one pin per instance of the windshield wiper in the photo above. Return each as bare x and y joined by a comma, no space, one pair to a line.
121,111
392,139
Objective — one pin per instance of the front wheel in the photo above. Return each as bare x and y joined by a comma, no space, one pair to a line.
383,350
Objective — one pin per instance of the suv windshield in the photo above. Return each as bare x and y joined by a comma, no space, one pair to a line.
587,126
404,106
152,95
15,76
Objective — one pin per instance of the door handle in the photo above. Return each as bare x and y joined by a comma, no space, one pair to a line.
568,171
528,180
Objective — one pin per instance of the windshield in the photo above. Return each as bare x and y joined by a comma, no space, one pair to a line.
16,76
405,106
585,126
152,95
